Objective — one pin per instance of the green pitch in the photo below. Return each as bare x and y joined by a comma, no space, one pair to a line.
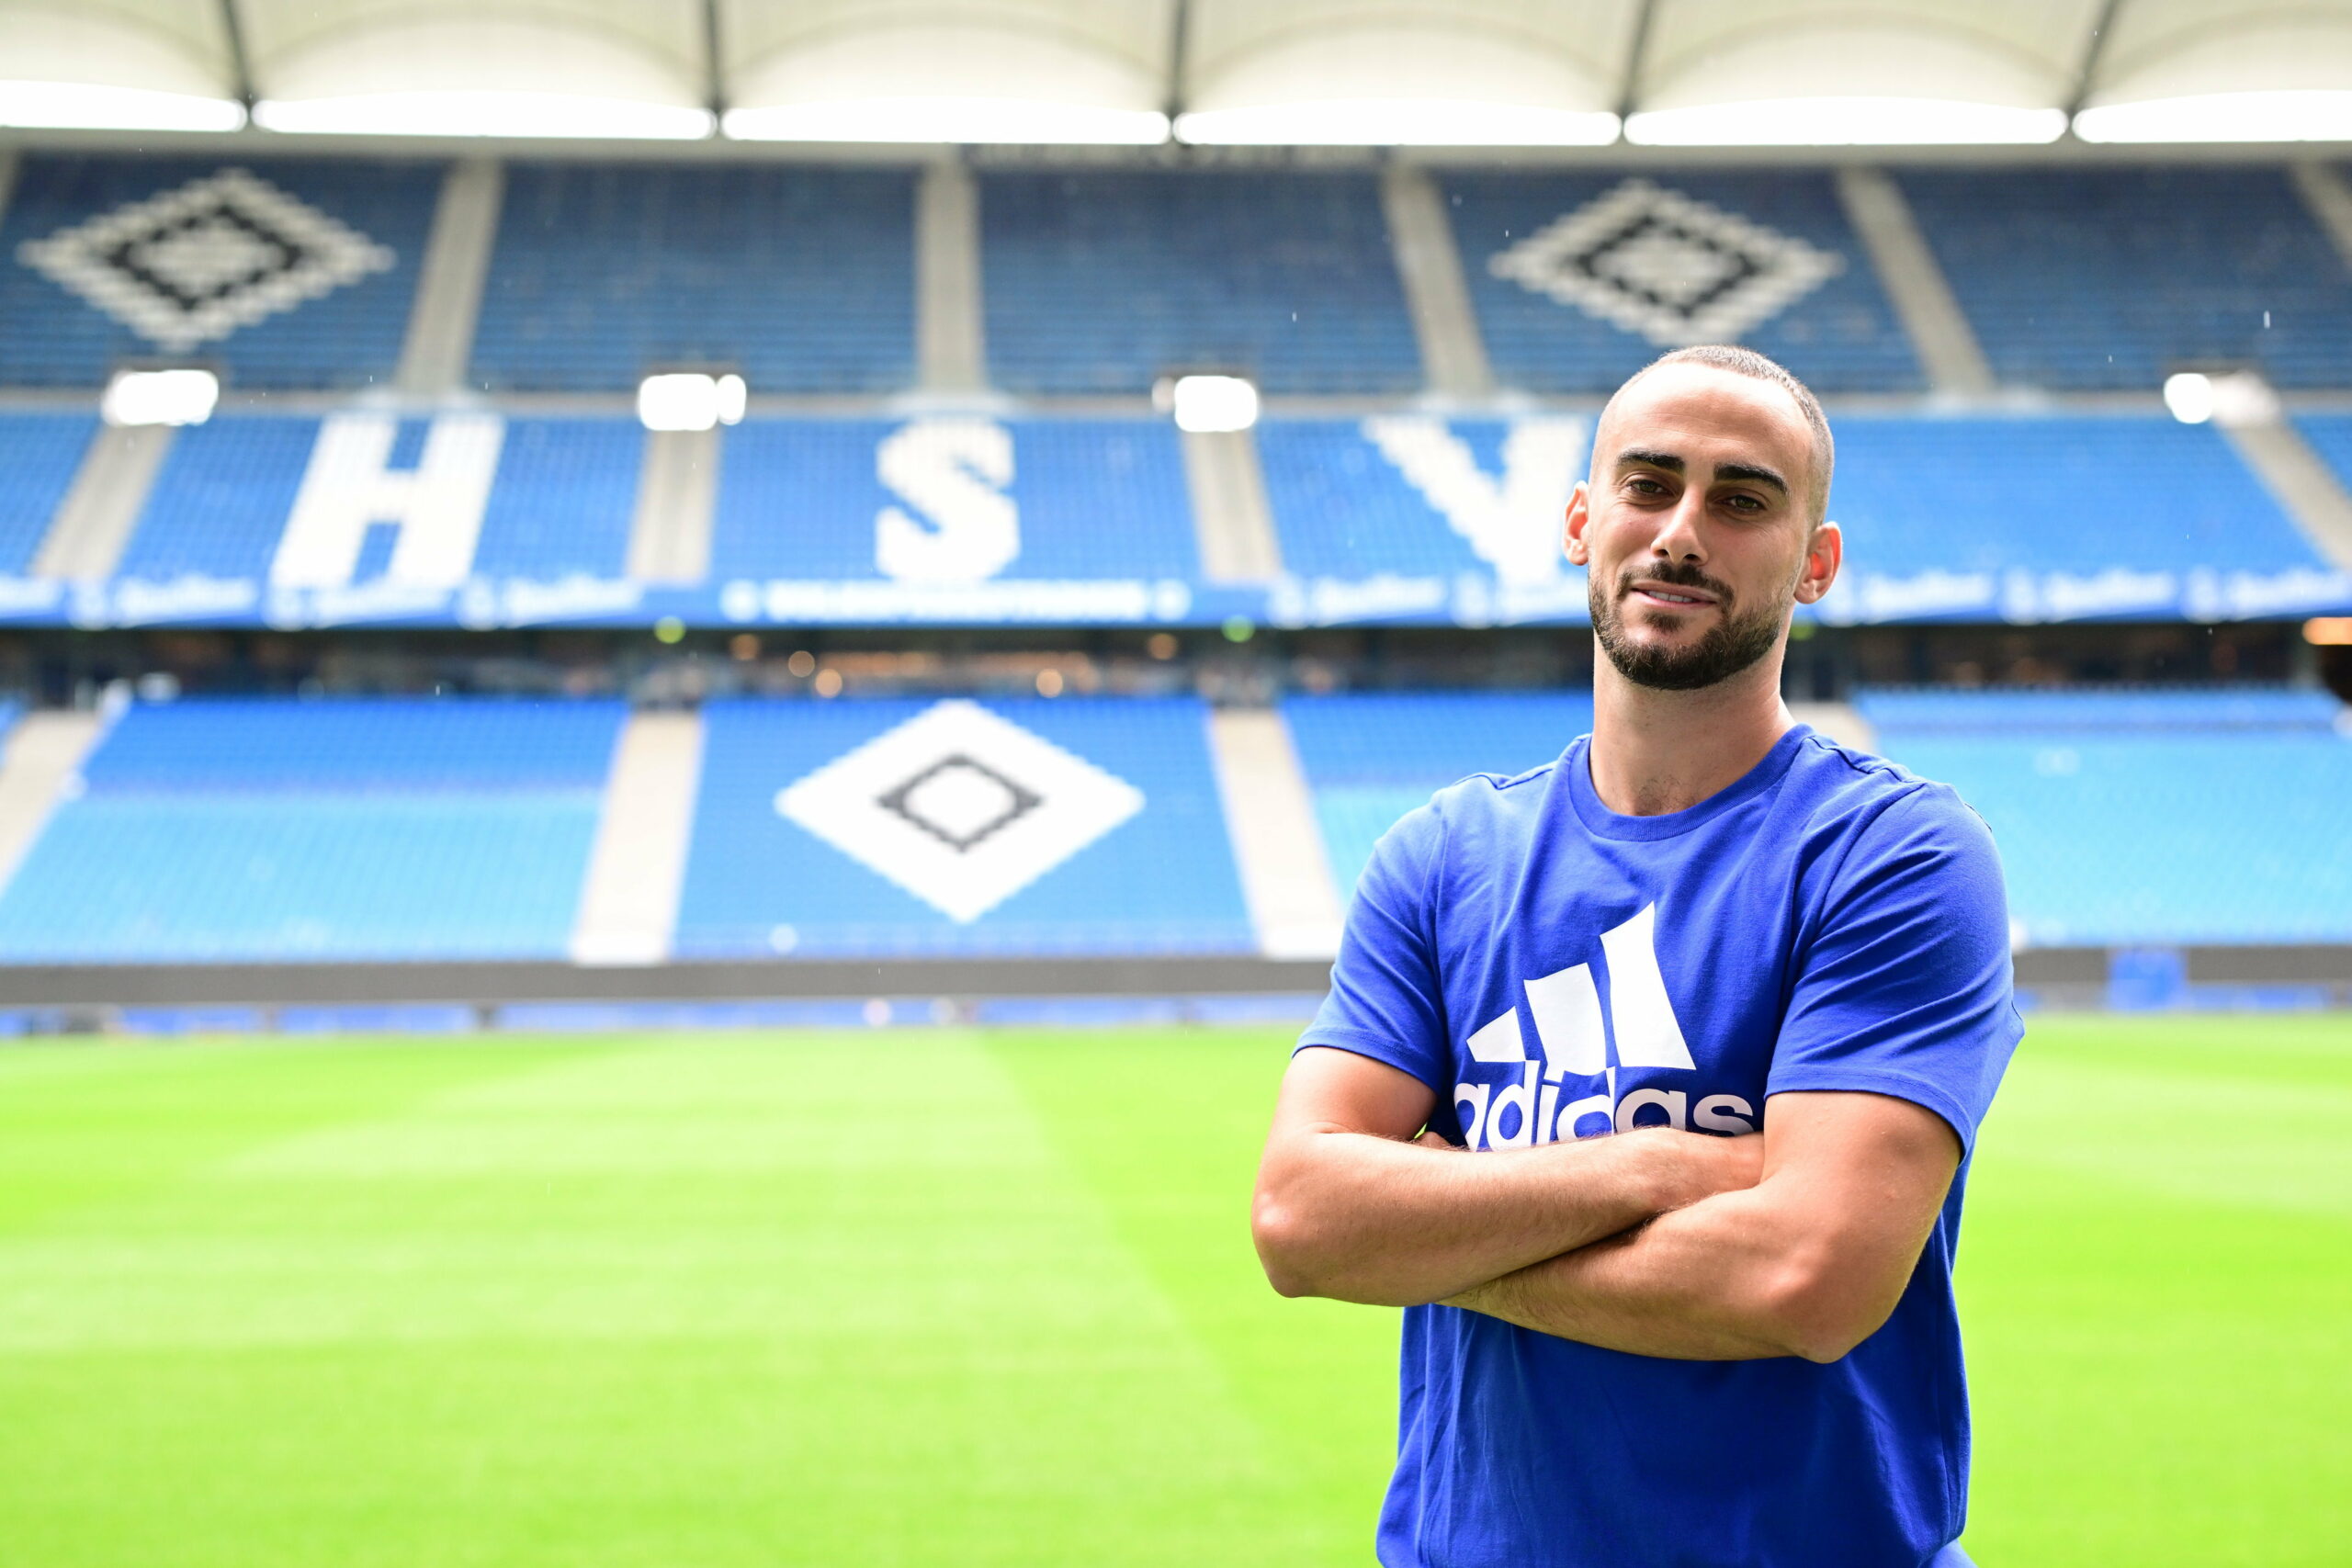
969,1298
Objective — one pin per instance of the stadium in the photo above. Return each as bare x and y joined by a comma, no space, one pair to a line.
693,695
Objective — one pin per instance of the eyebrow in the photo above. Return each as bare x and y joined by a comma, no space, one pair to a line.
1642,458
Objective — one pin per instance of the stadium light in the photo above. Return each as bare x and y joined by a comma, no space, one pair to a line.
1387,122
1845,122
86,105
2240,398
2189,396
2287,116
1209,404
477,113
160,397
690,400
2328,631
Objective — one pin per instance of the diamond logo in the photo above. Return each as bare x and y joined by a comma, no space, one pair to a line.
960,807
194,265
1657,262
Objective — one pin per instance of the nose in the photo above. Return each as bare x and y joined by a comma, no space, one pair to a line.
1677,537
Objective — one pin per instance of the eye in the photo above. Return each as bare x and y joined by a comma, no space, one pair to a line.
1744,503
1641,484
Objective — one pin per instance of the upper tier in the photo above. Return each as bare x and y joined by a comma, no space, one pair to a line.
303,273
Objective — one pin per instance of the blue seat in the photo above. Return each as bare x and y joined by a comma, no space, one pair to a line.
344,335
40,455
1101,498
1838,334
2019,502
1105,281
1370,757
2151,817
800,277
2115,277
275,832
758,884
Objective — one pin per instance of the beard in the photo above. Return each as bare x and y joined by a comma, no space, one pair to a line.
1736,641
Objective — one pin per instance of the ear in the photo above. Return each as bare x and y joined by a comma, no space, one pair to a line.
1823,554
1579,523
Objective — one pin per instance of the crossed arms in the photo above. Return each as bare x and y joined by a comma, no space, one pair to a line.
1794,1242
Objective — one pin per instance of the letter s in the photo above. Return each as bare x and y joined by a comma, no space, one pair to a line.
1723,1114
954,471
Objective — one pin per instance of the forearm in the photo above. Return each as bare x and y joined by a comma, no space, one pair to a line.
1388,1223
1711,1282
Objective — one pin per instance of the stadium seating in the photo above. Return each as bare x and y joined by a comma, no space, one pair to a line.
221,498
225,831
562,501
1566,271
1059,859
2330,436
2051,517
2094,279
2158,818
297,272
1371,757
40,454
1358,497
802,278
1091,498
1105,281
565,496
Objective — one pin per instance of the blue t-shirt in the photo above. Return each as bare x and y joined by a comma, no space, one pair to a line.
1553,969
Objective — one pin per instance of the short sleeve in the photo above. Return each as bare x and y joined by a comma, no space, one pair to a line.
1903,985
1386,1001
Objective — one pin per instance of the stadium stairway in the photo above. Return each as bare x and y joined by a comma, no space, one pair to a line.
628,900
42,752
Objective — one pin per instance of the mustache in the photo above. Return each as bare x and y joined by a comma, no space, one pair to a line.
1675,574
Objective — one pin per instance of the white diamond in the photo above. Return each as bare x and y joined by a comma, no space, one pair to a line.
960,807
195,263
1657,262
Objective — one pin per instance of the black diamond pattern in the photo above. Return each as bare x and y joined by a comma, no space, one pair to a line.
1022,802
129,256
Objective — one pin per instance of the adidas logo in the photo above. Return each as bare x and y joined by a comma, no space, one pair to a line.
1568,1090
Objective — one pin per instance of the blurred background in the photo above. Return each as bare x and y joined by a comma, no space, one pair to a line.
691,692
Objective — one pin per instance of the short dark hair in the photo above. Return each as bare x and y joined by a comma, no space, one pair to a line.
1757,368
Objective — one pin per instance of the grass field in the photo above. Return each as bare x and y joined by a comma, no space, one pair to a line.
940,1297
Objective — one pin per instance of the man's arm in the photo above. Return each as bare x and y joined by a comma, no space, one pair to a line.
1807,1262
1350,1205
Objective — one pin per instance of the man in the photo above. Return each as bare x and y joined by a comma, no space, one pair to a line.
1776,969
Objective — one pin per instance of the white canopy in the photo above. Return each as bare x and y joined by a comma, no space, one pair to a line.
1304,72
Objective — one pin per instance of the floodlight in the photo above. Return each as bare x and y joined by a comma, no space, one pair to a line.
1844,122
2328,631
1208,404
86,105
160,397
476,113
2303,115
732,396
687,400
2189,396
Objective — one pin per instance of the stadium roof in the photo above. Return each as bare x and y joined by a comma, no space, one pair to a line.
1519,73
